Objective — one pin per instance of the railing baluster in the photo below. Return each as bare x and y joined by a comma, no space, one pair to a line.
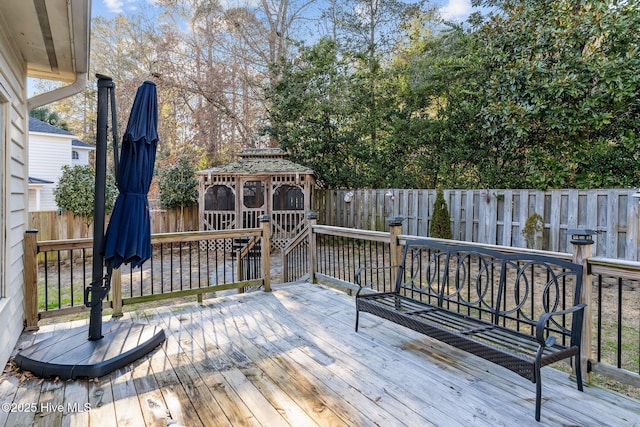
619,334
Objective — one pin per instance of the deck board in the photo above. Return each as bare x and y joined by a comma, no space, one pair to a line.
291,358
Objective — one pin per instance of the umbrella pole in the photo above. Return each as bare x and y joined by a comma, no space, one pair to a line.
97,290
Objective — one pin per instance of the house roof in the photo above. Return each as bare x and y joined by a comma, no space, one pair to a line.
33,180
79,144
259,161
51,35
36,125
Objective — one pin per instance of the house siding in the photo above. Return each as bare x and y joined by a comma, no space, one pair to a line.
47,155
83,157
13,195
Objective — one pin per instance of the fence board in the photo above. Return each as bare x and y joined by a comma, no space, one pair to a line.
497,216
52,225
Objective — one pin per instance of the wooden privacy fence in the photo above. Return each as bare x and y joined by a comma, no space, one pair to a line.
54,225
497,217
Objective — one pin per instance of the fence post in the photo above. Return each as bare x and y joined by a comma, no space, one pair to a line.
116,292
312,217
582,241
31,280
395,228
266,251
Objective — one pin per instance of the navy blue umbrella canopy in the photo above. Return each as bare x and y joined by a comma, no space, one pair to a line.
128,236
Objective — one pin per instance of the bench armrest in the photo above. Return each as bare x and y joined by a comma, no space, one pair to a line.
369,284
576,310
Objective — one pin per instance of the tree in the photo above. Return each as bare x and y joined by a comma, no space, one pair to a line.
561,98
313,116
51,117
178,186
435,132
440,221
75,192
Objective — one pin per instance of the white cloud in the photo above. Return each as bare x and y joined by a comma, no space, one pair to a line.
114,6
456,10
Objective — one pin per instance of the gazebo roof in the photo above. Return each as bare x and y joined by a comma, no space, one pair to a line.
259,161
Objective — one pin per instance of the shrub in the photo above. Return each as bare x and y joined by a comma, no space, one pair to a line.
441,221
76,189
532,231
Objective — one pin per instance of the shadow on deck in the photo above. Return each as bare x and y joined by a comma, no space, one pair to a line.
292,358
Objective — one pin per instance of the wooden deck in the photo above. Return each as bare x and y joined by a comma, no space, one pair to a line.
291,358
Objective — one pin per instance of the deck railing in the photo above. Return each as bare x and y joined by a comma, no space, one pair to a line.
182,264
612,343
198,263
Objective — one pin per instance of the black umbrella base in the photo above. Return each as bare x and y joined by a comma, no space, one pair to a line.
69,354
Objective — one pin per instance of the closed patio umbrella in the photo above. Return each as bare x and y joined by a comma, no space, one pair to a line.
128,236
128,239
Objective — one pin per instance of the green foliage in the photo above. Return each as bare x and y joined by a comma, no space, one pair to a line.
76,189
540,95
178,184
561,94
440,221
532,231
313,116
51,117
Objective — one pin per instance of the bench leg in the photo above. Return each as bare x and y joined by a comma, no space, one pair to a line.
538,378
357,319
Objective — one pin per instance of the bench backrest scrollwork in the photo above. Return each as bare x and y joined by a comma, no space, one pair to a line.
507,289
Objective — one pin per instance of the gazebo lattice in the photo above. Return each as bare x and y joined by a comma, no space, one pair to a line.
260,182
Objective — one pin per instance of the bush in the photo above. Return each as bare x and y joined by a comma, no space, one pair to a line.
178,185
441,221
75,191
532,231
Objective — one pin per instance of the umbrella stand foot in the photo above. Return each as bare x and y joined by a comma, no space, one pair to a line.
69,354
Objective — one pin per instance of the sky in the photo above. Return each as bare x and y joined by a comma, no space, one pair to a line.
456,10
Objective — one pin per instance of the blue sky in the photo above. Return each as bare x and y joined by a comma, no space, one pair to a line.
456,10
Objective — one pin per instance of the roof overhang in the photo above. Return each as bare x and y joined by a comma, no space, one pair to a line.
51,35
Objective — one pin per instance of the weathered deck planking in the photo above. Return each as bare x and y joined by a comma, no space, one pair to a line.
292,358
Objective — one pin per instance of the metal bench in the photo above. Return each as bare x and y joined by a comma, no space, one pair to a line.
520,311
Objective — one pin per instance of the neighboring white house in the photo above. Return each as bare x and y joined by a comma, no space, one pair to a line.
51,148
42,39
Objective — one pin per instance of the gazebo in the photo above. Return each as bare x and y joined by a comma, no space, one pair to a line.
259,182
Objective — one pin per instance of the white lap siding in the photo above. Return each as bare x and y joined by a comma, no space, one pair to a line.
13,192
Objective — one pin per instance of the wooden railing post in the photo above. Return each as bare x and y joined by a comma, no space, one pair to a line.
582,242
266,251
285,263
31,280
312,218
116,292
395,229
240,270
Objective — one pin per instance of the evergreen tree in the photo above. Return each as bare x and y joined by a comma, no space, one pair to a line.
440,221
178,186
